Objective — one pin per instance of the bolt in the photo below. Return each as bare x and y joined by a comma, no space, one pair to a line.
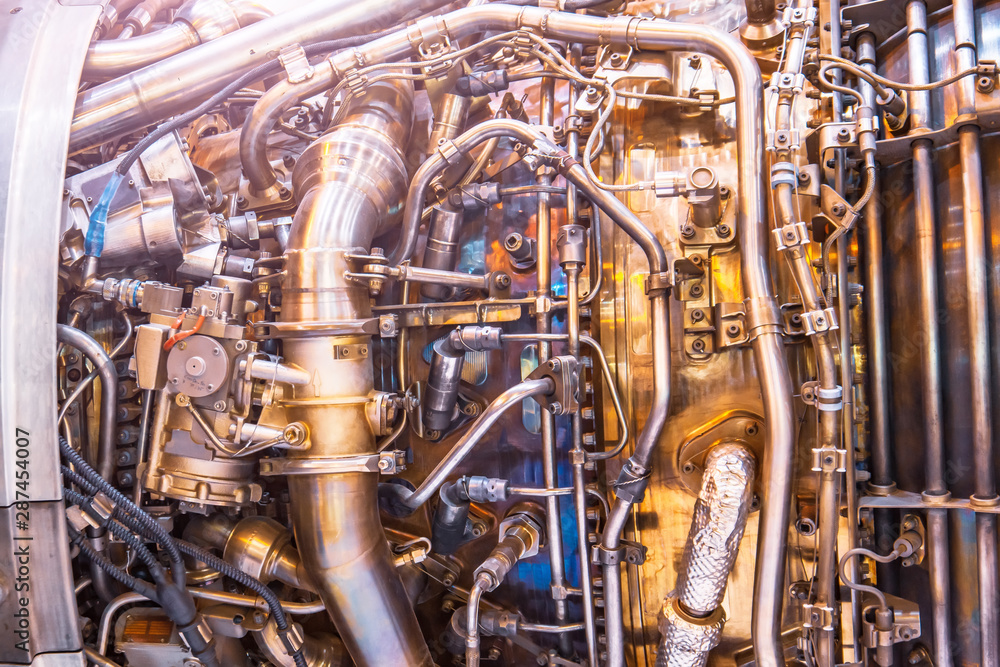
687,230
733,330
288,161
697,290
241,202
284,192
592,94
698,345
751,429
782,137
688,468
723,230
384,464
556,407
448,579
616,59
697,315
844,135
219,405
502,281
241,345
804,177
838,209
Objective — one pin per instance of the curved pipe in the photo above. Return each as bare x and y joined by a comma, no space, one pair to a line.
511,397
183,81
762,311
197,21
350,183
90,348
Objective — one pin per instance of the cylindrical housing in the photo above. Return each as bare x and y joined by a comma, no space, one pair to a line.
442,249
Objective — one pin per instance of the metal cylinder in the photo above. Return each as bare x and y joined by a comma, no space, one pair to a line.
442,250
349,183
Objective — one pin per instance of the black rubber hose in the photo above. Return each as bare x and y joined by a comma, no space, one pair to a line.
245,580
116,573
122,533
148,526
91,349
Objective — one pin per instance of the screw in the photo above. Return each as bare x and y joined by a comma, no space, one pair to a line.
284,192
616,59
219,405
241,345
687,230
733,330
804,177
288,161
556,407
502,281
383,464
241,202
723,230
751,429
697,290
782,137
688,468
844,135
698,345
838,209
697,315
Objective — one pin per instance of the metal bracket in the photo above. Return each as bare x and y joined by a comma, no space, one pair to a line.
829,459
632,553
791,235
905,625
818,616
819,321
293,59
730,325
564,371
742,426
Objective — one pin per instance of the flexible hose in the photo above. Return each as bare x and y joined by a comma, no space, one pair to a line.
245,580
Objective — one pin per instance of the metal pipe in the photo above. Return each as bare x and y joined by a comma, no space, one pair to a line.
924,217
543,324
509,398
447,361
183,81
878,399
764,317
691,619
472,621
979,336
90,348
578,458
357,168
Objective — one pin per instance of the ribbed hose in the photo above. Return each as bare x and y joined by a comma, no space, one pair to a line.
691,620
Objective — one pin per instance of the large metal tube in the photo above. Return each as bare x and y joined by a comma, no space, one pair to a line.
979,336
185,80
763,315
691,619
349,182
930,372
196,22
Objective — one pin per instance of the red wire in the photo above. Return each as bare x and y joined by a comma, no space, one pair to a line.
181,335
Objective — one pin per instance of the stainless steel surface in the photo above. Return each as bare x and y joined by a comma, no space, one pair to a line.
356,452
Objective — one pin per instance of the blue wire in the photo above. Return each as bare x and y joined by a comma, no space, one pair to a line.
99,217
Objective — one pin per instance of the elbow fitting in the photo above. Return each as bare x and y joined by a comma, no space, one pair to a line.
445,376
452,514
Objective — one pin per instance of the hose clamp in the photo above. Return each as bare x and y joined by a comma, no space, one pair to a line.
632,553
792,235
819,321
